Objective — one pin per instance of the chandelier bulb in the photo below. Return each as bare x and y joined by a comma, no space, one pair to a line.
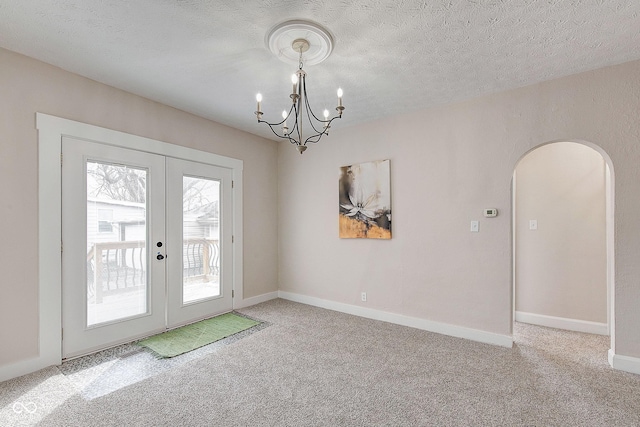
284,123
259,108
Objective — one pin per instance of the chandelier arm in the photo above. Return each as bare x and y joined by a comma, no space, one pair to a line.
325,123
296,125
310,113
293,128
313,114
306,101
317,132
337,116
278,123
288,115
271,125
319,135
312,140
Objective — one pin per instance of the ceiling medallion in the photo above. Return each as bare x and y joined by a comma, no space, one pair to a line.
293,42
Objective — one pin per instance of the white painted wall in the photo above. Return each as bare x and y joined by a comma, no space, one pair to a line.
447,164
28,86
561,267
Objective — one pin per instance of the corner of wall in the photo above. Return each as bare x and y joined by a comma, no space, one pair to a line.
624,363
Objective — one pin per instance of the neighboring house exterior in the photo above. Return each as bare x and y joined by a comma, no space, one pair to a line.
114,221
120,221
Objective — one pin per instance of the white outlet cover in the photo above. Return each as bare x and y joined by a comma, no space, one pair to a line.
533,224
475,226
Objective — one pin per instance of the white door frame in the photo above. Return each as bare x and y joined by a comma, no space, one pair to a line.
50,132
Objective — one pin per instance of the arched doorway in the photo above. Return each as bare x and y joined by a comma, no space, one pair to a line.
563,237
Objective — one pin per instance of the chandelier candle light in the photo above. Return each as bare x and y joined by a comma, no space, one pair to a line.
300,115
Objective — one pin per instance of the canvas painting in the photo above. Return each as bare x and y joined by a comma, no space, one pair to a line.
365,201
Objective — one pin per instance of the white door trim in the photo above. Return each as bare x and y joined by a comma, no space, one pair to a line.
50,132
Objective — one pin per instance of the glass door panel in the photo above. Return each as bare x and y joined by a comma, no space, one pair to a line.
199,267
116,242
201,239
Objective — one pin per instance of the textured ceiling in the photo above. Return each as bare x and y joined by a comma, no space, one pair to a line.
390,56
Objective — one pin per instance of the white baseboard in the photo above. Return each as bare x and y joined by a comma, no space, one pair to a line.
624,363
25,367
247,302
563,323
413,322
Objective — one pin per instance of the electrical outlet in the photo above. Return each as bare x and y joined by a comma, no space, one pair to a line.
363,296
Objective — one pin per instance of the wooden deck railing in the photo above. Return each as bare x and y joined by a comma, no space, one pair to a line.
115,267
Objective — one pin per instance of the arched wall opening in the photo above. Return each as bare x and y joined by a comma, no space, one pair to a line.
563,231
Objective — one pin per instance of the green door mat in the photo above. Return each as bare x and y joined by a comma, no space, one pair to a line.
189,337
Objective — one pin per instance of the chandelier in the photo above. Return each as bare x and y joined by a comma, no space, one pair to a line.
300,125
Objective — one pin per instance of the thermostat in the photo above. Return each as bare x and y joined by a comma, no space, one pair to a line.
490,212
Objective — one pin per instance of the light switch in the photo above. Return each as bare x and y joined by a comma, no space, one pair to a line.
533,224
475,226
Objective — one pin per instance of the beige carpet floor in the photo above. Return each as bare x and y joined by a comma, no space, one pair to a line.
315,367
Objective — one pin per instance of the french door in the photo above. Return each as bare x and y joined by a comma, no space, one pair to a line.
146,244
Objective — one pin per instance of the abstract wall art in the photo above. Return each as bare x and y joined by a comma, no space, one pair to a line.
365,201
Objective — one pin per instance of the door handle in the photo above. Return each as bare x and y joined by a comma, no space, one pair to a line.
159,257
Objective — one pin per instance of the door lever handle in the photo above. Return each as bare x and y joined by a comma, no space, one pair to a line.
160,256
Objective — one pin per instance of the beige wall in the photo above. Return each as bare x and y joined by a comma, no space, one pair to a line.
561,267
447,164
28,86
